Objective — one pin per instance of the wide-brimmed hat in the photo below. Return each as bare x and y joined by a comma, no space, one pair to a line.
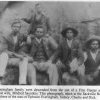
92,38
64,31
15,21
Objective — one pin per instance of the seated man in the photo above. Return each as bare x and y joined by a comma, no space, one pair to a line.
12,43
92,60
41,49
70,52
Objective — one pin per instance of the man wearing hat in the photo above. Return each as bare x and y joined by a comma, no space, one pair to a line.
92,60
70,51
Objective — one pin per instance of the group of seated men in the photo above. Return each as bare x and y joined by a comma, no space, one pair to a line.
65,63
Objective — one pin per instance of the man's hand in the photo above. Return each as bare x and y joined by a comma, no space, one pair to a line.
22,19
20,56
9,53
59,64
30,59
96,73
29,40
89,78
49,61
79,63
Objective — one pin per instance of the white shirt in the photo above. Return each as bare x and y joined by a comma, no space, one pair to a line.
69,42
15,38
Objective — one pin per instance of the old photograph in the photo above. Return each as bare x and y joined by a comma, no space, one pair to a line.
49,43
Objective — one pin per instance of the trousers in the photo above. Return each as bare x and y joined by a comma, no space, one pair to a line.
22,64
48,67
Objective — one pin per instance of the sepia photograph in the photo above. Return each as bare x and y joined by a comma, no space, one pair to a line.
49,43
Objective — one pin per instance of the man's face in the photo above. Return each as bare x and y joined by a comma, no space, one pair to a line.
69,34
38,8
39,32
94,45
16,27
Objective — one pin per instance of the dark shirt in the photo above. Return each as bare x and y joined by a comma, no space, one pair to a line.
44,21
67,54
40,53
91,65
10,42
48,45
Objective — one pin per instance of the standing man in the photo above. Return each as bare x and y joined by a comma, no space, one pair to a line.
41,52
14,41
92,60
38,19
70,52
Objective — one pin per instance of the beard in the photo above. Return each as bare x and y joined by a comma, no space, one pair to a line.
94,49
15,33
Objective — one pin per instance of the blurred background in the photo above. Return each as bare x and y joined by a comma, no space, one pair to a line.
84,16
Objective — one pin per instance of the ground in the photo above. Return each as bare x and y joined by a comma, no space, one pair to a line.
12,74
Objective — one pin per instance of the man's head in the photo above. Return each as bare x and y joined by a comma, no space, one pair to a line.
38,8
69,33
94,45
93,42
16,26
39,32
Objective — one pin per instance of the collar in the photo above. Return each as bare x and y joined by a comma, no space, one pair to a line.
94,52
38,40
94,55
69,40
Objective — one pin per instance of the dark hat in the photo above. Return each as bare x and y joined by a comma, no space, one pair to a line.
64,31
92,38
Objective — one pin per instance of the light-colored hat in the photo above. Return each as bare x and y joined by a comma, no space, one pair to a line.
15,21
91,38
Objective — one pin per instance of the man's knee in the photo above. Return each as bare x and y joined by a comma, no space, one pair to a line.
31,68
25,59
4,55
52,68
81,71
